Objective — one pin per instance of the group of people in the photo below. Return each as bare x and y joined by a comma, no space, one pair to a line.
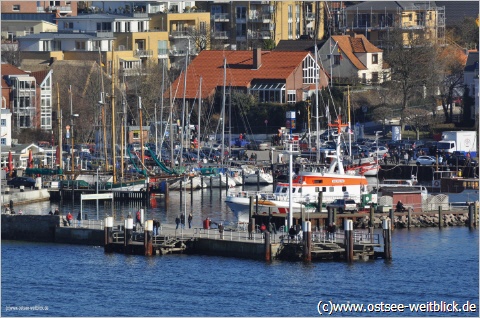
180,219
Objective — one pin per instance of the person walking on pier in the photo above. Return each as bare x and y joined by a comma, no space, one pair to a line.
177,221
138,218
190,218
69,218
182,220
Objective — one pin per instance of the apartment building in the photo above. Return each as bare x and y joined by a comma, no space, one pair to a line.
60,8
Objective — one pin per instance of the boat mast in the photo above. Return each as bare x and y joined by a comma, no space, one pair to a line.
142,156
317,137
59,122
172,161
199,112
222,115
180,160
349,126
114,144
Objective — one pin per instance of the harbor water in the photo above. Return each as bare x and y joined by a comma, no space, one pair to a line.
40,279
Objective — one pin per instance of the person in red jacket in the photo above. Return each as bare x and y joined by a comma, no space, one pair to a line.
69,218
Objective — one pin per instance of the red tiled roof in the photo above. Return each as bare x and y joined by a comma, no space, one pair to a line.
9,69
40,76
357,44
240,73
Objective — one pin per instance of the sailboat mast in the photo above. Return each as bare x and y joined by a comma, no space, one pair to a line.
222,118
172,162
114,143
199,112
183,106
59,122
142,156
317,117
349,125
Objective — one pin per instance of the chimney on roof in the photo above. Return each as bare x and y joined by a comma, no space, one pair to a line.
257,58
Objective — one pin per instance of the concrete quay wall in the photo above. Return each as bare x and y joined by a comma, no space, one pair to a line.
230,248
28,196
46,228
36,228
81,236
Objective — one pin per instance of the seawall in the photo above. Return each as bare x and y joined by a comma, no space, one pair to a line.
230,248
46,228
28,196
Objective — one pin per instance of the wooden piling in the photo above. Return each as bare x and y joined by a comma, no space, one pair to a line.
307,239
251,221
409,222
258,179
348,230
148,242
128,234
320,201
372,216
108,230
470,216
191,190
334,215
268,247
243,180
440,217
387,236
392,217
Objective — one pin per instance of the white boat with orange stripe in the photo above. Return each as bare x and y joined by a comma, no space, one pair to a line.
306,186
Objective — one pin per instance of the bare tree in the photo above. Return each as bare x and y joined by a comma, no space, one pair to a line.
11,53
409,60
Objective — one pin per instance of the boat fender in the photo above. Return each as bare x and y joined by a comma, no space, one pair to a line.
436,183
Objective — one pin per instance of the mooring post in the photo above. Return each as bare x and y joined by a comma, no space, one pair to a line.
256,204
226,182
191,190
128,235
320,201
307,240
108,247
258,179
148,244
387,236
268,247
348,230
243,180
211,185
392,217
329,217
334,215
470,216
440,217
251,221
125,235
372,216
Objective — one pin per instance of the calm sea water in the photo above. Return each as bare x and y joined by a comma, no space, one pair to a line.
428,265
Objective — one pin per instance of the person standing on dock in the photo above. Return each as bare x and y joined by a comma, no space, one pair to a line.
79,218
69,218
190,218
138,218
182,220
177,221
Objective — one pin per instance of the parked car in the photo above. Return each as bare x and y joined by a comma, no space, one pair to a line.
343,205
27,182
425,160
381,150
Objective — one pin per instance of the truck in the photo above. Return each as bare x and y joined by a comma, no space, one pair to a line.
459,142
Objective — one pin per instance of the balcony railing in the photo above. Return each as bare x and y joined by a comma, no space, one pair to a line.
143,53
180,34
221,35
60,8
263,35
221,17
183,52
310,16
162,51
40,10
260,17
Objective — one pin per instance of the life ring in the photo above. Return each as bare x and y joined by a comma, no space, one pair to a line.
436,183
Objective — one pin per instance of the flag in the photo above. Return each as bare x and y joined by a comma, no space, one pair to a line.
349,130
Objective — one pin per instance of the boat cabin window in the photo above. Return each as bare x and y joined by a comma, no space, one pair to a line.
300,190
331,189
317,181
344,188
284,190
324,189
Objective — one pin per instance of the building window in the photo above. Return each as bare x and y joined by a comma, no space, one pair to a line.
290,13
3,122
309,71
410,17
290,30
374,58
241,12
16,7
292,97
364,78
3,141
68,25
375,77
79,45
336,59
136,135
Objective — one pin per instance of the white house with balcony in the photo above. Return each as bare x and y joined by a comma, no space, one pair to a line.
71,41
136,22
344,57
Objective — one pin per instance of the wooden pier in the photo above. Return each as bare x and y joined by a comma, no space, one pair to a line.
309,246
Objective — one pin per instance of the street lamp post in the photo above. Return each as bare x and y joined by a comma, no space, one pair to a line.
73,116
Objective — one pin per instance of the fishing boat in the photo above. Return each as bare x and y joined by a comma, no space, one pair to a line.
333,182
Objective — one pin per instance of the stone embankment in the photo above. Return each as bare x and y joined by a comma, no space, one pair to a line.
417,221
